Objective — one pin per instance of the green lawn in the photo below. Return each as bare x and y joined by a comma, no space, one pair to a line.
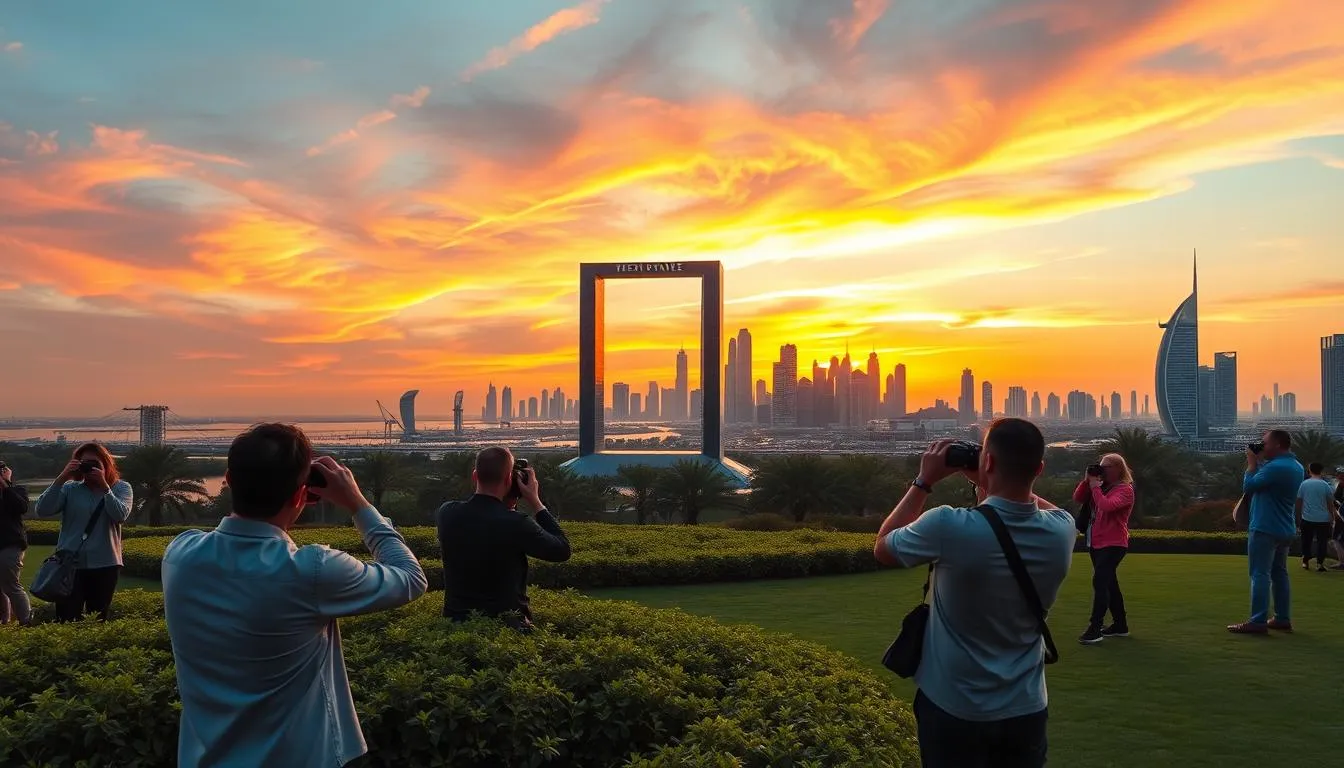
32,560
1180,692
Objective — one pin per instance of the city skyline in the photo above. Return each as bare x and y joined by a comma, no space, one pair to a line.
356,203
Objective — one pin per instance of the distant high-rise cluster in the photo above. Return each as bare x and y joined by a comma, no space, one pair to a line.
1332,382
1015,405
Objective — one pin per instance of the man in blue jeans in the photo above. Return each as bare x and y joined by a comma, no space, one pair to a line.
1273,474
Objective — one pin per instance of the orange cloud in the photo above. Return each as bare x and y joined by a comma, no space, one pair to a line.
558,23
413,100
865,14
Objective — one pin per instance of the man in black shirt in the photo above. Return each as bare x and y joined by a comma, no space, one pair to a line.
13,543
486,544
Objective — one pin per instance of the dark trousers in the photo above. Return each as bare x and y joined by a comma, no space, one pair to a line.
950,742
92,593
1318,533
1106,587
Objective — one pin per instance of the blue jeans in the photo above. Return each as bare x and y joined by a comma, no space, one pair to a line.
1268,558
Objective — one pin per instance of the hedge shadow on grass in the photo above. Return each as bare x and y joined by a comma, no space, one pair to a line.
602,683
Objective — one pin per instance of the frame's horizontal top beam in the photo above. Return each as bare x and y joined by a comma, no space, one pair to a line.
629,269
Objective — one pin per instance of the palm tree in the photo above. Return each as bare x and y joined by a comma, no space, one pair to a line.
571,495
379,472
163,479
691,487
798,484
449,479
1161,471
637,481
871,483
1313,446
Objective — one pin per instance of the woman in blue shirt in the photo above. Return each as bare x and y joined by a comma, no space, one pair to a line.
89,485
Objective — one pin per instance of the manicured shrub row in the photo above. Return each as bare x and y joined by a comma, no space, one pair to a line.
619,555
46,531
600,684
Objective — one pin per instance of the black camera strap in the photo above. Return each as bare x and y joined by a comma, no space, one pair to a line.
1023,578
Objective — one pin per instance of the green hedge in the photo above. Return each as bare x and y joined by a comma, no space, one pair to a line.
600,684
618,555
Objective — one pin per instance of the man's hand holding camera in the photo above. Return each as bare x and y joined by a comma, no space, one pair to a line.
337,485
529,490
933,466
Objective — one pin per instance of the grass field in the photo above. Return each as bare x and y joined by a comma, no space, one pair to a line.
1180,692
32,560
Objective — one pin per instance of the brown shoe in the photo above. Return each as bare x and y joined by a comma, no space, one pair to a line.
1248,628
1282,626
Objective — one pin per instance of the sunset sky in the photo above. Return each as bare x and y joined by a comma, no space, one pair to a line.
298,207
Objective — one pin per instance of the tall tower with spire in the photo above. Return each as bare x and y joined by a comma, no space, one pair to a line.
1177,374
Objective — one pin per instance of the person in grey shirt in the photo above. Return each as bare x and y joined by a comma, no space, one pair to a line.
981,697
252,617
89,486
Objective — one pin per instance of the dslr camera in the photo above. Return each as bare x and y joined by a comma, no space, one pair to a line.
963,454
88,465
1257,448
1095,470
519,478
315,480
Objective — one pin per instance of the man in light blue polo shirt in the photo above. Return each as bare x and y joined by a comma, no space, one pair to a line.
982,698
252,617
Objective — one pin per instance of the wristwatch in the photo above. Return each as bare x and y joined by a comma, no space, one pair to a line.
919,483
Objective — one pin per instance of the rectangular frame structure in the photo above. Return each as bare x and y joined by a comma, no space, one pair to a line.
592,345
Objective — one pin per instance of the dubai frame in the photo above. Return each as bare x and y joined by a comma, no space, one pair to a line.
593,460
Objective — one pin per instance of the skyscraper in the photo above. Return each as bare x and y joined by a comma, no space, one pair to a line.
532,412
669,395
491,414
784,406
1053,408
1288,404
858,398
746,403
807,403
1115,406
873,395
1082,406
1133,403
1105,411
636,405
1177,376
762,401
1266,406
1206,398
1332,382
620,401
896,394
1036,405
844,401
545,406
1145,405
506,403
682,386
730,385
1016,404
1278,402
1225,389
697,404
987,401
558,411
966,403
652,406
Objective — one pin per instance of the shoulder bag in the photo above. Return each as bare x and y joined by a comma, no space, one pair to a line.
907,650
1241,513
56,577
1084,517
1023,578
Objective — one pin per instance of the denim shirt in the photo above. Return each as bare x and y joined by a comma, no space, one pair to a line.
252,620
74,503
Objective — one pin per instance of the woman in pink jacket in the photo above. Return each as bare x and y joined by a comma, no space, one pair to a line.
1111,495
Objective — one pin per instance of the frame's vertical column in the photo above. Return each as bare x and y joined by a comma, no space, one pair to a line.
711,361
592,351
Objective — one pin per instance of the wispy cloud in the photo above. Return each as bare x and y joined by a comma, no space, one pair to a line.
558,23
413,100
13,47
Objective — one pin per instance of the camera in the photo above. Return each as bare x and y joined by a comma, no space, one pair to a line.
315,480
963,455
88,465
1257,448
1095,470
519,479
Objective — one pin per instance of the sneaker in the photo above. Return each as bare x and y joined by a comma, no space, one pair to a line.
1115,630
1092,636
1248,628
1279,624
1305,565
1320,568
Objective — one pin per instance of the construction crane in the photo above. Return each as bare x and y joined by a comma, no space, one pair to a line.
457,413
389,421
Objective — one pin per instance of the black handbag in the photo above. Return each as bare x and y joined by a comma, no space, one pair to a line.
905,653
55,579
1024,581
1084,517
